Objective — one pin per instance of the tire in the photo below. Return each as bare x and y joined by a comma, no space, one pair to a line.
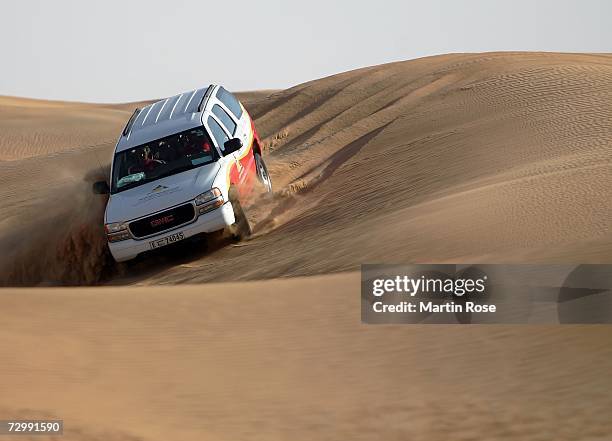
241,229
262,173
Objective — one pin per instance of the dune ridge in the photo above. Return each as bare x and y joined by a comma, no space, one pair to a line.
501,157
35,127
494,157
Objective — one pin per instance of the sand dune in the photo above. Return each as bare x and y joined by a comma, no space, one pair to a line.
289,359
497,157
33,127
494,157
469,157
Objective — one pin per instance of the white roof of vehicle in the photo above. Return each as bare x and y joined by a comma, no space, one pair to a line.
163,118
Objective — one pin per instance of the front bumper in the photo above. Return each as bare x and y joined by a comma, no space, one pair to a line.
214,220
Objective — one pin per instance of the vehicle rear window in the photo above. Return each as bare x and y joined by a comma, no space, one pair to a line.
230,102
227,120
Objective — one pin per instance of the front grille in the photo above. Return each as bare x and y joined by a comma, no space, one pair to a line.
162,221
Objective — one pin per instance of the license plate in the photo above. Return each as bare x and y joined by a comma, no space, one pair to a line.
166,240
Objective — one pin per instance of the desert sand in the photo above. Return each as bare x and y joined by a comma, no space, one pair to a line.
496,157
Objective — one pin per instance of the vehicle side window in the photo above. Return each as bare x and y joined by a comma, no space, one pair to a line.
230,102
227,120
218,133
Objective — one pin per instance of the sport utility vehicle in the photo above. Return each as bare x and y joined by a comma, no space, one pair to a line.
180,168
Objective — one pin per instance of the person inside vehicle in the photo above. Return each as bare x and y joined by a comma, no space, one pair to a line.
188,146
147,162
206,148
165,152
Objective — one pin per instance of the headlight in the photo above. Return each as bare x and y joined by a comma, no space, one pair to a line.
116,227
118,237
209,201
117,232
209,196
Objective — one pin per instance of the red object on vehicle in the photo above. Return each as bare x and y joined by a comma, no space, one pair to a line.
149,164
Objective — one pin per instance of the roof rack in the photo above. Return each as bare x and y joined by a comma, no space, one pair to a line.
128,126
205,97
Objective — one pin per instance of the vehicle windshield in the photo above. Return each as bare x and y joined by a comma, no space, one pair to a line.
163,157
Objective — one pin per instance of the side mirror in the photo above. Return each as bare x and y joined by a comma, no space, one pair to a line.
232,145
101,187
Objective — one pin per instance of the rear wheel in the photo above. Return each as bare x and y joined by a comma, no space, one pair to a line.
241,229
262,173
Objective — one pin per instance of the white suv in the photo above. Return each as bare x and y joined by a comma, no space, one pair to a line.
180,168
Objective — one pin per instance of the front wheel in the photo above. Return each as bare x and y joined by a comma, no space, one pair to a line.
240,229
262,173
